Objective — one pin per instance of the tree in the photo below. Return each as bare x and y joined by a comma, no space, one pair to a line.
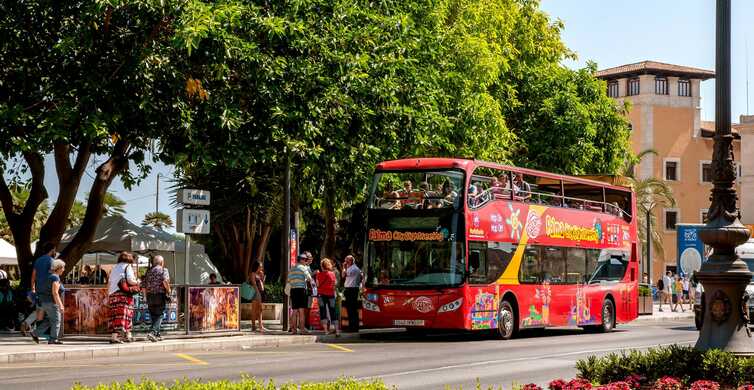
84,82
651,193
20,195
113,205
157,220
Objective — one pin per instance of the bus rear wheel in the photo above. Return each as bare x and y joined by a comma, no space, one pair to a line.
506,321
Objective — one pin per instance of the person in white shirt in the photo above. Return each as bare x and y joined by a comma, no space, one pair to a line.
668,281
352,285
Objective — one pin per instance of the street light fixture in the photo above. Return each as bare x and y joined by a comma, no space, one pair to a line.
724,276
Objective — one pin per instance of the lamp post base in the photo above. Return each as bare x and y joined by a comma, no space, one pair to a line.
725,305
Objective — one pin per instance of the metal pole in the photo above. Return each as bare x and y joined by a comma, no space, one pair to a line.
286,236
157,199
186,281
649,247
724,276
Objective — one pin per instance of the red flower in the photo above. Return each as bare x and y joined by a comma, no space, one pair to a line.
746,387
667,383
618,386
531,386
578,384
705,385
559,384
635,381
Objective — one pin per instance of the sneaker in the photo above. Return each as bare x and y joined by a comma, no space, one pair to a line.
159,337
151,337
116,341
54,342
34,336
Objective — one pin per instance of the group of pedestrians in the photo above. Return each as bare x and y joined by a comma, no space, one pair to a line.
303,286
677,290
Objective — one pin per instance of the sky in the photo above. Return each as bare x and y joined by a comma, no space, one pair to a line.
610,33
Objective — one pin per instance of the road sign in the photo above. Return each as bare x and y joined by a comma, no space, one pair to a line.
193,197
192,221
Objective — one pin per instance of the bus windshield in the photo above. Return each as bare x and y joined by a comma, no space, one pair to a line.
415,248
417,190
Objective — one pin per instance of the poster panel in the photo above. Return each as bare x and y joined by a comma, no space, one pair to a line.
691,251
86,311
214,309
142,320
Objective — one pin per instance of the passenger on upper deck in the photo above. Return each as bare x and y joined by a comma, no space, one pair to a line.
390,197
522,188
448,193
410,198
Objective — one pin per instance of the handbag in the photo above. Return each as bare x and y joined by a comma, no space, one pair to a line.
126,288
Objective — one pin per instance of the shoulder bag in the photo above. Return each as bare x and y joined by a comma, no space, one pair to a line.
126,288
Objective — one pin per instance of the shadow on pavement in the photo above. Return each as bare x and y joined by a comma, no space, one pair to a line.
445,337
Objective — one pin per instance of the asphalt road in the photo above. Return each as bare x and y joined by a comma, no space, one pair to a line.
410,362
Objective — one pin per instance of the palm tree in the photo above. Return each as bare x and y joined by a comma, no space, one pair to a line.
650,193
157,220
114,206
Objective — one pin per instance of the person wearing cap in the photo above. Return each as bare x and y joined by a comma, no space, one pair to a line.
298,278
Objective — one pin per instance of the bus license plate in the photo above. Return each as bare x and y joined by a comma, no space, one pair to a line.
408,322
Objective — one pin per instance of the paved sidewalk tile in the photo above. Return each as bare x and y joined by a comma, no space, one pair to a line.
668,315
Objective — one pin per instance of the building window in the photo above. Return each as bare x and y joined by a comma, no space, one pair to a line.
661,86
705,171
684,88
633,86
612,89
671,219
672,169
703,215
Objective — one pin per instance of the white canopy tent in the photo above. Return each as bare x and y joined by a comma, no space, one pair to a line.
7,253
115,234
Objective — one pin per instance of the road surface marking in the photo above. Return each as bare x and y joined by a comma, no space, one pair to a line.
191,359
338,347
499,361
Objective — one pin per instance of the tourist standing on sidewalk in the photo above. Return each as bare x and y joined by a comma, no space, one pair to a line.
51,299
326,281
668,284
354,277
157,285
686,297
256,280
677,293
661,290
7,307
121,302
298,279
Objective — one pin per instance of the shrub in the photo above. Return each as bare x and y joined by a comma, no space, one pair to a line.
667,383
722,367
244,384
746,387
274,292
618,386
530,386
644,290
705,385
557,384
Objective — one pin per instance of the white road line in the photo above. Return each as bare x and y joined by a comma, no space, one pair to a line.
499,361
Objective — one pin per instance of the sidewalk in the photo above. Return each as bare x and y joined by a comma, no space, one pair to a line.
668,315
15,348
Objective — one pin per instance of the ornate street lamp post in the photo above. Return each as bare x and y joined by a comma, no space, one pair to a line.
724,277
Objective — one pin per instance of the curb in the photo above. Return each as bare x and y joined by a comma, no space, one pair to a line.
675,317
94,352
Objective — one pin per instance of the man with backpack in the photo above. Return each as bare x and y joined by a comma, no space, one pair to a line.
661,290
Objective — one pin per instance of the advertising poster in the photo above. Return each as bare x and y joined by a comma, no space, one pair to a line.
293,244
142,320
691,251
86,311
214,309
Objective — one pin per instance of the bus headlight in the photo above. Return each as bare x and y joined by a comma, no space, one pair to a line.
371,306
452,306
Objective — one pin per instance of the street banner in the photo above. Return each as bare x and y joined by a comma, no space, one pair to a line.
214,309
691,251
142,320
293,244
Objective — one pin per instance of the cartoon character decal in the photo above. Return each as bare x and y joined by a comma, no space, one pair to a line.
484,311
541,316
514,223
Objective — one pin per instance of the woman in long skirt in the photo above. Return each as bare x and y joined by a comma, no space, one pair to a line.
121,303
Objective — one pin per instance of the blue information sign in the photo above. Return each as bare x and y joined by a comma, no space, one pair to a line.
690,248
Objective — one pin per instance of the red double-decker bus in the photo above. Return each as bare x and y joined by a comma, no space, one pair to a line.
470,245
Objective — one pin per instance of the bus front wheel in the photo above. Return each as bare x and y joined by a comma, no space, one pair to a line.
608,317
506,321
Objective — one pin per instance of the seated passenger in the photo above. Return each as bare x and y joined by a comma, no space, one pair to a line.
449,194
411,198
522,188
473,195
390,197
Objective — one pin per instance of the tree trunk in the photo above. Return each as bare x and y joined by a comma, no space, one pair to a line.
328,245
105,174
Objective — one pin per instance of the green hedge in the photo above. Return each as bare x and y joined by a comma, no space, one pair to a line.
684,363
244,384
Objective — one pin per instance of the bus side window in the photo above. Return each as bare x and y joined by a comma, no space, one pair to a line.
531,270
575,265
477,262
554,265
499,255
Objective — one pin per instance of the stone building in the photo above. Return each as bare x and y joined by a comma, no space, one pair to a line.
665,115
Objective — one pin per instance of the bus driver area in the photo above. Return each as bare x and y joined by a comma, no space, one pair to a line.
518,249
